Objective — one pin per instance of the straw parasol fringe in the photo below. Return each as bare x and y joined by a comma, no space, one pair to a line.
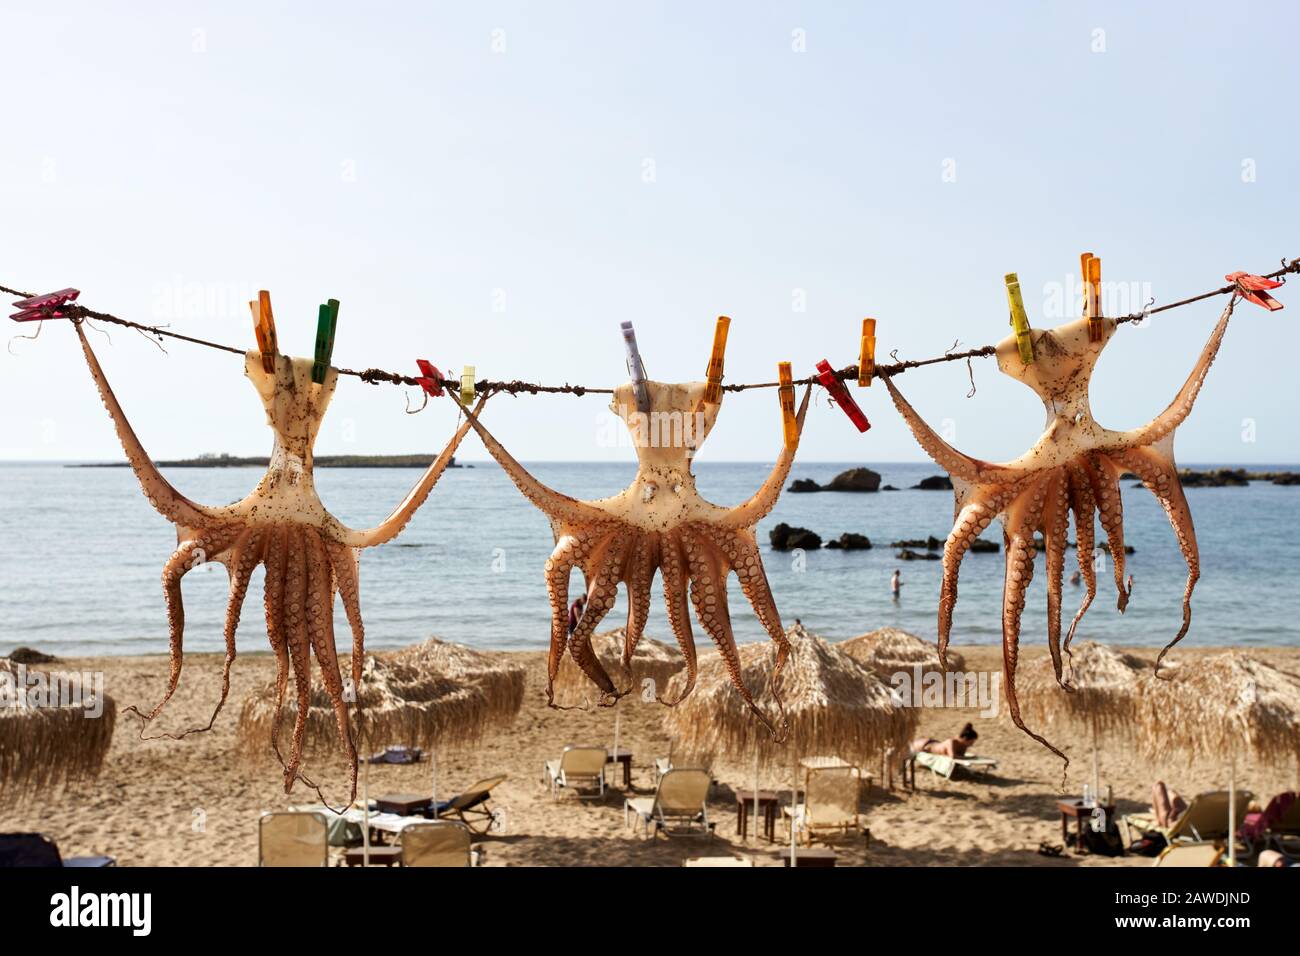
889,650
653,660
834,706
1108,687
51,746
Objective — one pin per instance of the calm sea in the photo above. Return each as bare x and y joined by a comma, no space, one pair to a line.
83,552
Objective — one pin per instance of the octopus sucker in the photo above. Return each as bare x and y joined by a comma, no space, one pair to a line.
282,525
659,523
1073,468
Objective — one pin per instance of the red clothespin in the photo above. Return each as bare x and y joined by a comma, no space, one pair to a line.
48,306
831,382
431,380
1252,289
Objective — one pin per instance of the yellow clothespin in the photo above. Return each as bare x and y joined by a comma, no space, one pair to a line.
867,357
713,389
1019,320
467,385
1091,268
786,396
264,330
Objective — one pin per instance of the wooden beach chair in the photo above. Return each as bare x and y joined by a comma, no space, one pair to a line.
437,843
1204,821
831,798
470,806
37,849
678,808
293,839
947,767
578,769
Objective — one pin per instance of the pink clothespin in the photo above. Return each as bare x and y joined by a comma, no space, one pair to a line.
831,382
1252,289
431,381
48,306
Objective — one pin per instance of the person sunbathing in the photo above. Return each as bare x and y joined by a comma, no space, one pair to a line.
952,747
1166,805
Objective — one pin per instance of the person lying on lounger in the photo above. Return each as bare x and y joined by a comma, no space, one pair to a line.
952,747
1166,805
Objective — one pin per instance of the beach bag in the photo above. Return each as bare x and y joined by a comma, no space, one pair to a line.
1148,844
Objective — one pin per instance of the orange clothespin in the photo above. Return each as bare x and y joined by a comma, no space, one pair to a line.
713,388
1019,319
1090,265
1252,289
785,394
264,330
867,356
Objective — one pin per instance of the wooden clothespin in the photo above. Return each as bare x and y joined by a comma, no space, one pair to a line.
831,382
713,375
48,306
1019,319
1090,266
636,369
326,322
867,355
430,378
264,330
785,395
1253,289
467,385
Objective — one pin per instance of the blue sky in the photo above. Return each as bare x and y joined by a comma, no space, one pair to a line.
502,184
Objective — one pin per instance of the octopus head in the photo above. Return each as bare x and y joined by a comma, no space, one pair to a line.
294,406
1064,358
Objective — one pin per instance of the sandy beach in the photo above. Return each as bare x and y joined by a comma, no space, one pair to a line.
195,802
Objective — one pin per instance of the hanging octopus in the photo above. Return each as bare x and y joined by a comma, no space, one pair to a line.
659,523
1074,467
308,554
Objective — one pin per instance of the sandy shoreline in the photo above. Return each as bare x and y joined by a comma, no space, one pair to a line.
195,802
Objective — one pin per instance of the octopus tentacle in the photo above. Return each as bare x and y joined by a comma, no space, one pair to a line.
743,555
273,603
640,577
559,507
760,505
675,576
169,502
1085,533
1056,525
1178,410
320,629
1022,518
1161,479
982,506
392,526
603,568
566,555
295,625
1104,477
347,580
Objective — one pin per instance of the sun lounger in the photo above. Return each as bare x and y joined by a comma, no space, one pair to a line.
716,861
293,839
1278,827
946,767
832,793
470,806
579,768
1191,854
436,843
1204,821
661,767
679,806
37,849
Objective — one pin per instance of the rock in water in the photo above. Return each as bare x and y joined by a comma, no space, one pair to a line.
851,541
855,479
907,554
935,483
786,538
804,484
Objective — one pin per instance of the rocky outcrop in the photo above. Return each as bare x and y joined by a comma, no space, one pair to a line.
803,485
907,554
786,538
851,541
935,483
855,479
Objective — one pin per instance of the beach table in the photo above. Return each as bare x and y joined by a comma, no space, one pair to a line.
1076,811
769,804
623,757
816,857
404,804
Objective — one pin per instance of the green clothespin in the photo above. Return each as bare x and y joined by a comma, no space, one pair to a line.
325,325
1019,319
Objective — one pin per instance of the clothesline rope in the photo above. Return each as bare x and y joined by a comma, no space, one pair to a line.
375,376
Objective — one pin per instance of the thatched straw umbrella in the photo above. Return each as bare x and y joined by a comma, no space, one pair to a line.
1107,694
833,705
52,729
422,695
652,661
1228,704
889,650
